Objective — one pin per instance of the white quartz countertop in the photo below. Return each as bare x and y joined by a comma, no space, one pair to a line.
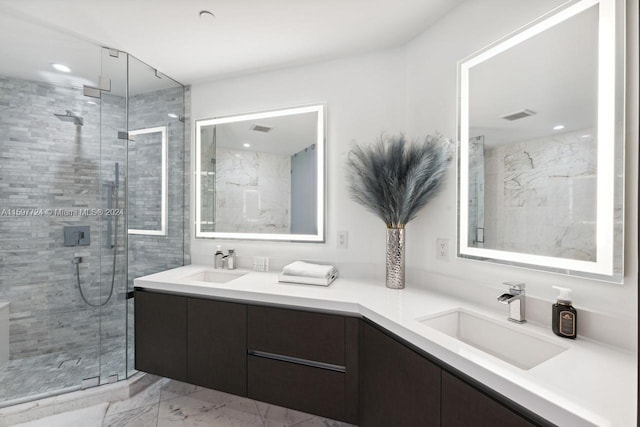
588,384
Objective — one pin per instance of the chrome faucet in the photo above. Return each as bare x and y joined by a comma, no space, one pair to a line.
516,300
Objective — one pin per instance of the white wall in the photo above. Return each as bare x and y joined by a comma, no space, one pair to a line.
413,89
431,104
364,96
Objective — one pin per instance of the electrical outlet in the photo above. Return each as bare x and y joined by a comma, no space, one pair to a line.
343,239
260,263
442,249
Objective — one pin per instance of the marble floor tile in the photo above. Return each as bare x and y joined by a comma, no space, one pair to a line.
206,410
146,397
216,397
277,416
187,411
322,422
146,416
169,403
86,417
172,389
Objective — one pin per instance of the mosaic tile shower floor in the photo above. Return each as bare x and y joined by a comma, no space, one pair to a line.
37,375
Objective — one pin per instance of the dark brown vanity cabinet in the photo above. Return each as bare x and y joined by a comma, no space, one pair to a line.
399,387
217,345
194,340
463,406
336,366
297,359
403,387
304,360
161,334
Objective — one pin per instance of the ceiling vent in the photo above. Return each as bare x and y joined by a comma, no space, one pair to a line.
517,115
261,128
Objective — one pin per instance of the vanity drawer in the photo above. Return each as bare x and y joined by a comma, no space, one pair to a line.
311,336
305,388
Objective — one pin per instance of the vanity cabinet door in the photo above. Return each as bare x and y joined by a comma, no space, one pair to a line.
217,345
398,387
161,334
463,406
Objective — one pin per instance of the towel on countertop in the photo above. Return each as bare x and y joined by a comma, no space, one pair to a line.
307,269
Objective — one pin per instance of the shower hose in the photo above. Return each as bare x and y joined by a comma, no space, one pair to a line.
76,261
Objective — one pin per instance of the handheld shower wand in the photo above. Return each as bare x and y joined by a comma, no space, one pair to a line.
112,187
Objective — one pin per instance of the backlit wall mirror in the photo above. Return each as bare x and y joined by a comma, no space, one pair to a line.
541,163
147,181
261,175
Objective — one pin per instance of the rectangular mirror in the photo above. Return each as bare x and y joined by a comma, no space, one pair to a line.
541,158
147,181
261,175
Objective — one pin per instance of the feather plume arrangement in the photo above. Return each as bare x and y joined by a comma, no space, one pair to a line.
395,179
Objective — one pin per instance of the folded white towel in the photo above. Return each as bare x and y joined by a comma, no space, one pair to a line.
307,269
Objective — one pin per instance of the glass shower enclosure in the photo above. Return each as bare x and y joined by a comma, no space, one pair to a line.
92,177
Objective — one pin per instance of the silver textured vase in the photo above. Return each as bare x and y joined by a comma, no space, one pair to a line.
395,258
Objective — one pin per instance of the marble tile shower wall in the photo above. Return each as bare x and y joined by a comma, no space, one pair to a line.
144,207
50,164
148,253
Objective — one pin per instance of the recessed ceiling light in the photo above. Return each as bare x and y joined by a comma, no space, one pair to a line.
91,103
246,145
558,127
61,67
586,135
206,16
237,155
173,116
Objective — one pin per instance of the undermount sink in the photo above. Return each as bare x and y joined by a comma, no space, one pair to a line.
214,276
503,341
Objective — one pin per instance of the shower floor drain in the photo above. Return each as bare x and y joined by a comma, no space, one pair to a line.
69,363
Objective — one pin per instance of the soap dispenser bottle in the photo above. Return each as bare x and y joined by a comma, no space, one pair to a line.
565,318
218,257
231,260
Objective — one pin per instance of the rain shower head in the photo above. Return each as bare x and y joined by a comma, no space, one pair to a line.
70,117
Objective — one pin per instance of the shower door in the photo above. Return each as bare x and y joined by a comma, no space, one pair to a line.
110,292
56,176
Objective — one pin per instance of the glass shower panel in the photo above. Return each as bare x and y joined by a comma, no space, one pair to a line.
156,177
50,178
